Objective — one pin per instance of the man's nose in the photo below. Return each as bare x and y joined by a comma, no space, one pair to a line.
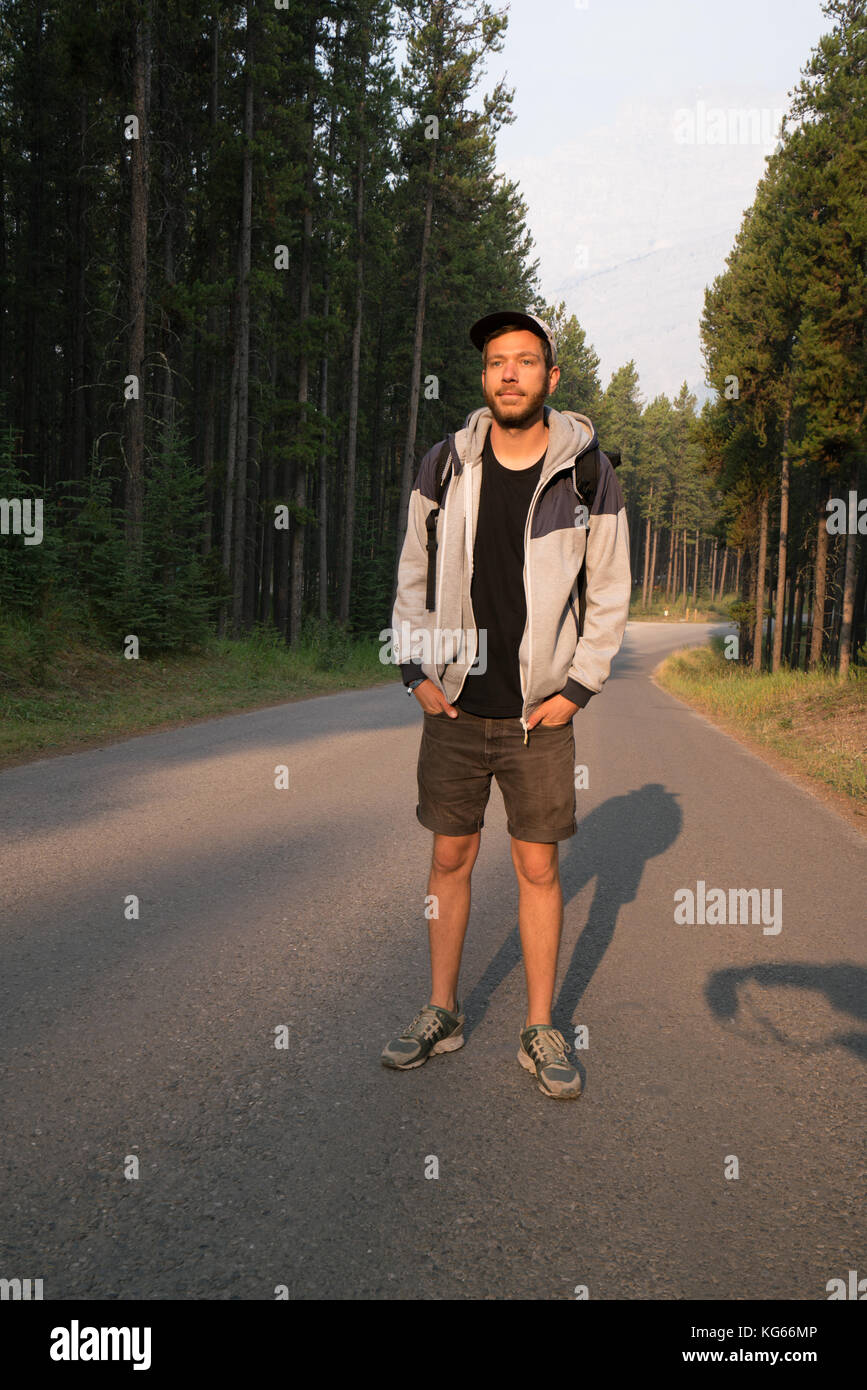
510,372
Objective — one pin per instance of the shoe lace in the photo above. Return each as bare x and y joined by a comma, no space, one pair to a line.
425,1025
549,1046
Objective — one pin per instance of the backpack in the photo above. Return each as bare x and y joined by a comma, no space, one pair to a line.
586,474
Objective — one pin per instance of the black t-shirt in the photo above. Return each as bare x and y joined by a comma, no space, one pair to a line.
497,590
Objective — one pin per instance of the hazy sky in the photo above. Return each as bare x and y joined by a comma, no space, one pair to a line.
641,132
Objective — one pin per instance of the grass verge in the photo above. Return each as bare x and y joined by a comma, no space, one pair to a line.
812,722
87,696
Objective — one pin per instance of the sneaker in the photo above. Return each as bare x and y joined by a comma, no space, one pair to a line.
432,1030
543,1051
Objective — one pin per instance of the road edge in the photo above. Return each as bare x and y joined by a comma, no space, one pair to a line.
830,799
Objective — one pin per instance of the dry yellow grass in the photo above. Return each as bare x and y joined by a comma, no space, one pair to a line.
813,723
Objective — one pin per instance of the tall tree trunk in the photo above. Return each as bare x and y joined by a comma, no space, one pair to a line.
165,401
296,606
799,623
769,634
695,572
782,553
793,586
323,476
820,573
323,368
760,583
210,403
229,486
381,467
835,595
722,578
252,572
634,535
675,571
653,564
280,581
138,271
355,369
167,405
671,536
849,581
243,340
748,584
266,593
788,605
4,284
38,29
647,550
78,431
860,625
415,378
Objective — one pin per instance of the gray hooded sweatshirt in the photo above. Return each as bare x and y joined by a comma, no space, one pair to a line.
555,655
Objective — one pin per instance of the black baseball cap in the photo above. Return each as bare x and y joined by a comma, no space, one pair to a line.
482,327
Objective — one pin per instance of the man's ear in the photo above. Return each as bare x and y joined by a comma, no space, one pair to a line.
553,379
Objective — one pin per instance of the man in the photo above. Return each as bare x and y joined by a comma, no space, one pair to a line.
512,537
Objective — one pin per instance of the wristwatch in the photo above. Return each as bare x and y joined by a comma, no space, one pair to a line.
412,685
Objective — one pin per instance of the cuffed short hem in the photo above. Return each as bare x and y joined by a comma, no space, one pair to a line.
440,828
542,837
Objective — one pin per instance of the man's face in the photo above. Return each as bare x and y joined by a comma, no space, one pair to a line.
515,381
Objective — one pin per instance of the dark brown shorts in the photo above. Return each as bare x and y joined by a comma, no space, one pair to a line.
457,758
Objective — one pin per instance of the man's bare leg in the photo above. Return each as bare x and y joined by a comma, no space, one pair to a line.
540,919
451,869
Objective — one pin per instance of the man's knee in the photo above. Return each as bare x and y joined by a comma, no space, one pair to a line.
537,864
455,854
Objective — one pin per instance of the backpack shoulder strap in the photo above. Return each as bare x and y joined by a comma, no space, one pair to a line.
431,524
442,460
587,476
586,481
587,473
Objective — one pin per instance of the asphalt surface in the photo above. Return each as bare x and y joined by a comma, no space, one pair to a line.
304,1165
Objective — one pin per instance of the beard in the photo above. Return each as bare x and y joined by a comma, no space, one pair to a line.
516,414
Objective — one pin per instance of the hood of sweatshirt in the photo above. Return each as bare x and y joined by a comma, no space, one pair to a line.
569,434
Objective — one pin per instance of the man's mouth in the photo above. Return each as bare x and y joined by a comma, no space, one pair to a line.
516,394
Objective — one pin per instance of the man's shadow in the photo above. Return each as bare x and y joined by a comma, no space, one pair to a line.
844,986
612,845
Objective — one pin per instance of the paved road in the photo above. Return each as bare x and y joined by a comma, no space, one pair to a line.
305,1166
